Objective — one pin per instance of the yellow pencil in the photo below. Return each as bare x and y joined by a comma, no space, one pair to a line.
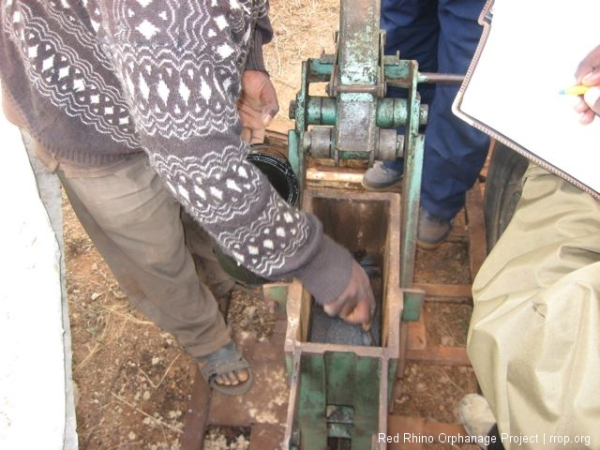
578,89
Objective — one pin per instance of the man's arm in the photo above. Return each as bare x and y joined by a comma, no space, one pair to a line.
182,82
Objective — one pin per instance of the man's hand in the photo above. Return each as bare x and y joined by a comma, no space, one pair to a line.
588,74
257,105
356,304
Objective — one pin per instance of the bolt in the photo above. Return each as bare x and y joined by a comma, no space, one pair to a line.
292,110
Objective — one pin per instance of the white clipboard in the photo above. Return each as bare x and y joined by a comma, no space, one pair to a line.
528,52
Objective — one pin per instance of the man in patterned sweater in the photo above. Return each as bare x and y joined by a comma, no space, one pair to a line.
139,106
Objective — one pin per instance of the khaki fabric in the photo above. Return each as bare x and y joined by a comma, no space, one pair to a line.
534,339
137,226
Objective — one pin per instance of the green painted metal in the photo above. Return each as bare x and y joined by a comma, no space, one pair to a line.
301,98
354,112
277,293
356,109
413,304
320,69
356,80
312,403
342,382
321,111
297,158
411,187
340,377
395,69
354,155
340,421
366,408
390,112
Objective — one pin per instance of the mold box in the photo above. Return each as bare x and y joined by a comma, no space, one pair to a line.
340,390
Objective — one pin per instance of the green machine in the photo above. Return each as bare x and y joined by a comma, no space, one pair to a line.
356,120
340,390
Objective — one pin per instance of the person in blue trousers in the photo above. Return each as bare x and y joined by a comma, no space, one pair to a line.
441,35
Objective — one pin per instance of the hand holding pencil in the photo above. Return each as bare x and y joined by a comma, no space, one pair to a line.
587,78
576,89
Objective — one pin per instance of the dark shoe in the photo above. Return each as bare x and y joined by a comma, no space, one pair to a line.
431,230
476,417
380,177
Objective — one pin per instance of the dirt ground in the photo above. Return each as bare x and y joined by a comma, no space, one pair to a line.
134,382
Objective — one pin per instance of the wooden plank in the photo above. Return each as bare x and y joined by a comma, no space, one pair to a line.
409,431
398,425
417,334
196,417
477,234
266,436
456,356
436,429
455,293
403,350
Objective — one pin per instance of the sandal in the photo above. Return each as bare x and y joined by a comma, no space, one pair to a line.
223,361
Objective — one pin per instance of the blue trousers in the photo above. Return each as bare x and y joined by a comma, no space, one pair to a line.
441,35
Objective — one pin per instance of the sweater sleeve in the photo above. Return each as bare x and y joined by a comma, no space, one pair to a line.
182,82
263,33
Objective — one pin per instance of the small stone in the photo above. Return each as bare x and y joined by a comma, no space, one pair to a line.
251,311
174,414
447,341
118,293
403,399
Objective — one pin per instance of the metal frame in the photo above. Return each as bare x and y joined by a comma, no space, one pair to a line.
326,375
356,120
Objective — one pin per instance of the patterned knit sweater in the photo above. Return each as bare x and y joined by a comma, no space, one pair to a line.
97,80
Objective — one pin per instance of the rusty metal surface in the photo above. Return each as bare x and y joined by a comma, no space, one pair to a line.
266,402
456,356
443,78
265,436
417,333
263,408
418,427
477,236
196,417
379,233
335,176
451,293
